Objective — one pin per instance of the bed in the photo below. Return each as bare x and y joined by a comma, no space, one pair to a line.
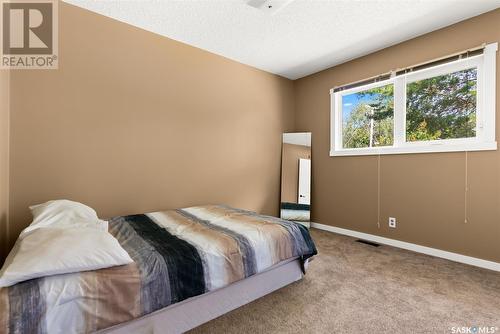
190,266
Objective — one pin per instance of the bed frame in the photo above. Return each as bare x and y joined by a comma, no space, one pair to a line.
192,312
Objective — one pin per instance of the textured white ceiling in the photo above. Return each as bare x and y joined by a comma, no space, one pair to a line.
304,37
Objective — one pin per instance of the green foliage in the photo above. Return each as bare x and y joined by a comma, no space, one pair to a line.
421,132
383,101
356,131
441,107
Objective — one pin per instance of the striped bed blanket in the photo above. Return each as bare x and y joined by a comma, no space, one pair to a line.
177,254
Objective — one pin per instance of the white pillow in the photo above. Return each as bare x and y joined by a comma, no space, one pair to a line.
55,250
63,213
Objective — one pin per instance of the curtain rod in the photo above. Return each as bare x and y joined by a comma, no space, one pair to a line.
434,62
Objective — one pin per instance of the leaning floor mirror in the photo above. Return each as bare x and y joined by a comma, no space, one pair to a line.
296,177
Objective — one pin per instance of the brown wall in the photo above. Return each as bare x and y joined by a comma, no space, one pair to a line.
425,192
290,170
4,161
134,122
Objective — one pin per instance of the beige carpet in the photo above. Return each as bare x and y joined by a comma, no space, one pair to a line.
356,288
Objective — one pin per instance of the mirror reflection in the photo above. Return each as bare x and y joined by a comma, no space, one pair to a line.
296,177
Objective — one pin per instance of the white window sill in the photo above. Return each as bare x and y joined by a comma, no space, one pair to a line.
434,148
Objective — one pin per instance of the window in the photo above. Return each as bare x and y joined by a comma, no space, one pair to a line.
368,117
443,108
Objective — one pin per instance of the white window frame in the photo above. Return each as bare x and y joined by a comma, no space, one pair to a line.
485,110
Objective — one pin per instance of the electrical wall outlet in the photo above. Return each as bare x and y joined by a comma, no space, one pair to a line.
392,222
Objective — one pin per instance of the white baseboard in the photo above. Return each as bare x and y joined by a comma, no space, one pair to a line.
473,261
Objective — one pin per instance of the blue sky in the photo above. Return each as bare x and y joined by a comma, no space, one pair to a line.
349,103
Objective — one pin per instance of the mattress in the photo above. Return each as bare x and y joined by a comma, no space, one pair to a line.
178,254
190,313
